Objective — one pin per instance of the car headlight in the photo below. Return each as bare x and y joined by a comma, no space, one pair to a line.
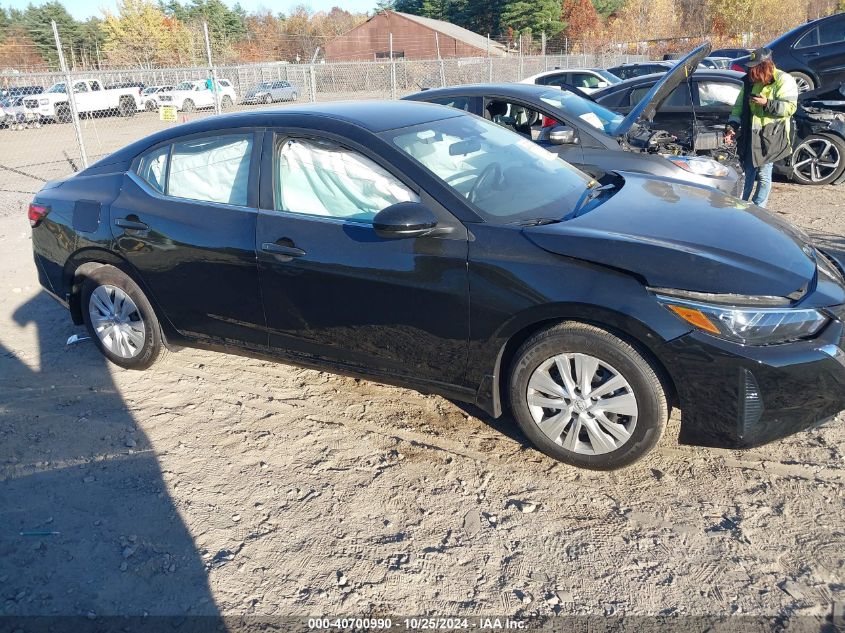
700,165
43,101
748,325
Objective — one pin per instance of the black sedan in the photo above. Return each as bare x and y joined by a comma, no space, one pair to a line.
638,69
812,53
423,246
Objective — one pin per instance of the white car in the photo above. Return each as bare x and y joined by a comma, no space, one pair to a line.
150,94
89,97
20,112
191,95
588,80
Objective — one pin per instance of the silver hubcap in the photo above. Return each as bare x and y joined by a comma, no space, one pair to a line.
582,404
117,321
816,159
801,83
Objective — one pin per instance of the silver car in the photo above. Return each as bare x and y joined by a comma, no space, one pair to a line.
270,91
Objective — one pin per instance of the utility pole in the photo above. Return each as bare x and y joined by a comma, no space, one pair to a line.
392,67
440,59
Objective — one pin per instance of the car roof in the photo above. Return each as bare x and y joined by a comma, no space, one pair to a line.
702,73
374,116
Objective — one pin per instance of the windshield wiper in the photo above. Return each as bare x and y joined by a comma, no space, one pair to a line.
590,193
536,221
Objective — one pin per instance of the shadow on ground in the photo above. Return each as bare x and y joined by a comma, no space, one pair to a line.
87,527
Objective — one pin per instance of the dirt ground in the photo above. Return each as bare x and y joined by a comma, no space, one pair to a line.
214,484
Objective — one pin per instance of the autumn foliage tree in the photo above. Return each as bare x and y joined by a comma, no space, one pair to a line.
581,19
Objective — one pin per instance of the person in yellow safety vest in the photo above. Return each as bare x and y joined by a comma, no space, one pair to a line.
761,121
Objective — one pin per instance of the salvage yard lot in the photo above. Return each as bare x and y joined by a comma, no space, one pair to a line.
219,484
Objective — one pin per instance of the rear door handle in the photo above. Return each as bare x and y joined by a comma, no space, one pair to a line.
811,54
131,225
279,249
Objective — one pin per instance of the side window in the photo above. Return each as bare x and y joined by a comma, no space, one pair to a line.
95,86
324,179
555,80
810,38
585,80
636,95
213,169
832,32
153,168
461,103
516,117
678,98
718,93
80,86
615,99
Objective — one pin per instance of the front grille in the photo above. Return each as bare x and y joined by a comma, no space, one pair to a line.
32,104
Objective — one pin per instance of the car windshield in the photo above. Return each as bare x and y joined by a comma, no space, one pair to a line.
57,88
588,111
507,177
611,78
185,85
148,91
265,85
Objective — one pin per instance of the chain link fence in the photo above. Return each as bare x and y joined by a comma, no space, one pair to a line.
45,135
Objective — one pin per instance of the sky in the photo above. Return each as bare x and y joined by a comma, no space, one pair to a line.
82,9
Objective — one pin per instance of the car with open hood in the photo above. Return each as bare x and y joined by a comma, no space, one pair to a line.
419,245
595,138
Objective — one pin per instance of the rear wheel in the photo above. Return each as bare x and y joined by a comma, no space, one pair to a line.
294,97
126,107
819,159
804,81
120,319
226,102
63,114
586,397
188,106
267,99
151,106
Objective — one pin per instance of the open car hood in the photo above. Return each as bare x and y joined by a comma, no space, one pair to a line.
685,237
649,104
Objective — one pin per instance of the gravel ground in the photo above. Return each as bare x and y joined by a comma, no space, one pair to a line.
215,484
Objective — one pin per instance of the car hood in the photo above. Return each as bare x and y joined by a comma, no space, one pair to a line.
687,238
649,104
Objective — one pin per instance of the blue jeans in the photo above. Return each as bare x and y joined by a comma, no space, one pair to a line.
762,176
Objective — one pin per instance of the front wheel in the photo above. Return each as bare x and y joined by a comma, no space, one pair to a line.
818,159
63,114
226,102
127,107
188,106
120,319
586,397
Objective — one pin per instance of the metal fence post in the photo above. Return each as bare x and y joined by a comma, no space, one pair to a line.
312,80
440,60
70,98
392,67
212,69
545,59
521,75
489,61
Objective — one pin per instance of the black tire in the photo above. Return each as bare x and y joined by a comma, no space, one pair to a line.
127,107
804,81
642,378
151,106
226,102
294,97
819,159
63,113
188,106
268,99
152,347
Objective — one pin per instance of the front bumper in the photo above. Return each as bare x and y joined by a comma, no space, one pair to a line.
734,396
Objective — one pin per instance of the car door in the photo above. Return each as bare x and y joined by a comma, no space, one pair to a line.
828,59
82,97
185,220
531,122
336,291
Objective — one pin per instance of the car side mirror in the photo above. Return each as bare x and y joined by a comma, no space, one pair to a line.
404,219
562,135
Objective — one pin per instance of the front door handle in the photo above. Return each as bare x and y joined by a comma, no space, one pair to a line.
282,249
811,54
131,225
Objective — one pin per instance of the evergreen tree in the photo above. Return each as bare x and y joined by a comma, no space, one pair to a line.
540,16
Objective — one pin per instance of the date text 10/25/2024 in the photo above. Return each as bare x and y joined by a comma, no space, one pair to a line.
417,624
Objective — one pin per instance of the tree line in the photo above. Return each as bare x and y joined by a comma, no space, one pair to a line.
156,33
